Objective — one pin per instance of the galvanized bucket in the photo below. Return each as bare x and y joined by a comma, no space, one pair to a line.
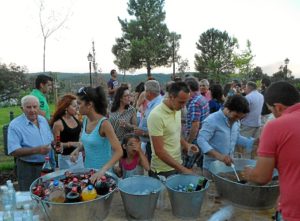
96,209
139,195
185,204
248,196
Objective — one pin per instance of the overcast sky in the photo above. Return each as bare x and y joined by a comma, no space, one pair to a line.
272,26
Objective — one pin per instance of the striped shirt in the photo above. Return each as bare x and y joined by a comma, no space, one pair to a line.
116,117
197,110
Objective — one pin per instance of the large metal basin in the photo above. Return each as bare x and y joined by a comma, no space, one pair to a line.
249,196
95,210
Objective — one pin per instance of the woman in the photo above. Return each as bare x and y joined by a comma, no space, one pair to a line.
67,127
101,146
217,100
123,115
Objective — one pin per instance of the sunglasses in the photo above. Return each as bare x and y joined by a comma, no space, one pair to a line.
82,90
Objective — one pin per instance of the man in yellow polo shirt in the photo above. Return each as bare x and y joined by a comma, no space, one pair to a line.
164,125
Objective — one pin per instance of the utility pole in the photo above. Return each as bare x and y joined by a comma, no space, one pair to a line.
173,56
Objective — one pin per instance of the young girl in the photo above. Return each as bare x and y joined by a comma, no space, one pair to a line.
133,161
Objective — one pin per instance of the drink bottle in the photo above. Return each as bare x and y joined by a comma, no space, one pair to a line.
27,214
73,196
57,193
47,168
101,186
201,183
74,183
88,193
57,145
8,214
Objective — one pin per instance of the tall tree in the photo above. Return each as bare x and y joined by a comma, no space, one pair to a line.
243,61
256,74
146,38
12,82
283,73
216,53
50,20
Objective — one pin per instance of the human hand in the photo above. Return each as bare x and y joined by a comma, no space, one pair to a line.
185,170
97,176
122,123
246,174
226,160
138,131
193,149
44,149
74,156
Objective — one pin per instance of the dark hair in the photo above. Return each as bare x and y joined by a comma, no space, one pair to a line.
64,102
176,87
266,81
112,71
96,96
42,78
140,87
282,92
226,89
192,83
125,141
237,103
117,98
217,92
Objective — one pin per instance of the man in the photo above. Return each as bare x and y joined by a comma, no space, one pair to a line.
152,94
29,139
43,84
279,148
197,111
220,132
112,84
252,121
164,125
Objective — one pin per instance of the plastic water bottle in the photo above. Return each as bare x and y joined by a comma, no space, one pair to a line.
57,193
161,202
88,193
223,214
27,214
12,194
8,214
4,196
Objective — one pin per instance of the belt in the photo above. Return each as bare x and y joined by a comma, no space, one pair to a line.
32,163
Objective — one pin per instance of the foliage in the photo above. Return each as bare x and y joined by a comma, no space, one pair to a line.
283,74
256,74
13,82
146,38
216,54
243,61
183,66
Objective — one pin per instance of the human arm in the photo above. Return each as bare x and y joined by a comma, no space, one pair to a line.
163,155
143,161
108,131
27,151
262,172
193,131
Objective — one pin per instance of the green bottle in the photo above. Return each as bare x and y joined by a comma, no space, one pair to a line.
201,183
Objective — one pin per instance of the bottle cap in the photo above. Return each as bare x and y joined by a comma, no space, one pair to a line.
90,187
55,182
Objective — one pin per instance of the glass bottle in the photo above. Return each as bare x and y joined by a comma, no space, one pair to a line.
57,145
73,196
47,168
101,186
201,183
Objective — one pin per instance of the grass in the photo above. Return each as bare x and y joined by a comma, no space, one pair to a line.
7,162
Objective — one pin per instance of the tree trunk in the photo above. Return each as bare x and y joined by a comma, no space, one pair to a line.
44,55
148,70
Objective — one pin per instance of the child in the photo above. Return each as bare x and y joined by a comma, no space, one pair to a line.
133,161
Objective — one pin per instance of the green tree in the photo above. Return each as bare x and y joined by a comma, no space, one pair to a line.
12,82
256,74
216,53
243,61
146,38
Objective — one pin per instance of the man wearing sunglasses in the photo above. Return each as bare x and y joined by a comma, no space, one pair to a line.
279,148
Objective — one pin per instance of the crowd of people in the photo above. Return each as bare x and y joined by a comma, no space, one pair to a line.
156,132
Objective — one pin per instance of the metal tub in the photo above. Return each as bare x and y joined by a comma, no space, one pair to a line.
249,196
95,210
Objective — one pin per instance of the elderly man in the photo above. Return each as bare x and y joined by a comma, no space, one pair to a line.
164,125
279,148
29,139
152,94
204,89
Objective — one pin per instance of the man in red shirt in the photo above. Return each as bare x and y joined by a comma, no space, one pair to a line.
279,148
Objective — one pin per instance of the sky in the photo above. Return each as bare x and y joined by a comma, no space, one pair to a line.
272,26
